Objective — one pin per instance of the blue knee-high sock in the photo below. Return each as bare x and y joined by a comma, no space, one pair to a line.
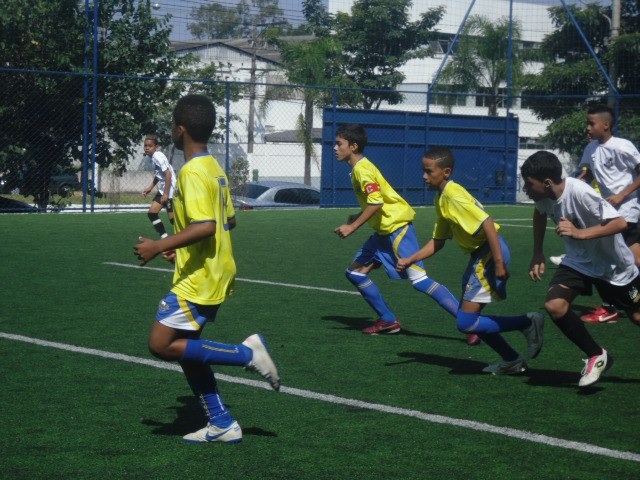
476,323
204,387
487,329
371,295
214,353
439,293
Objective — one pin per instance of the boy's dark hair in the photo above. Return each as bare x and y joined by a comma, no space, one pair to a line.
542,165
442,155
197,114
601,109
354,133
152,137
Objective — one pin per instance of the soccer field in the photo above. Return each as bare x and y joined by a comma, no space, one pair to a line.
83,398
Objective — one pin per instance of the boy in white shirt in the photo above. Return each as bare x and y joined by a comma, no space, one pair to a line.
614,163
164,177
596,254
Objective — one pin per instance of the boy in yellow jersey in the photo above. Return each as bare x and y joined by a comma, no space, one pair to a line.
204,274
390,216
462,217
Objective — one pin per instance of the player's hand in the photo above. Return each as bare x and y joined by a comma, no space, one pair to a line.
501,270
615,200
566,229
343,231
146,250
169,256
537,268
402,264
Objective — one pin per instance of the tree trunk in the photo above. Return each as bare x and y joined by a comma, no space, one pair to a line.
308,136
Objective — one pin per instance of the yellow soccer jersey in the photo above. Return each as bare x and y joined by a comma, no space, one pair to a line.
205,271
371,188
460,216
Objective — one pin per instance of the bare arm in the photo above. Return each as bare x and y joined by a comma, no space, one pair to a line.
489,228
148,249
167,185
431,248
610,227
343,231
537,264
150,187
619,197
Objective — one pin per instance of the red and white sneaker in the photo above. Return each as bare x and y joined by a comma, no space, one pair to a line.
382,327
600,315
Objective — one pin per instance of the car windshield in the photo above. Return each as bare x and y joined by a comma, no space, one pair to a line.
250,190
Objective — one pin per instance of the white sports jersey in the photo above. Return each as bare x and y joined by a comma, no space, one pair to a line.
160,166
607,258
613,165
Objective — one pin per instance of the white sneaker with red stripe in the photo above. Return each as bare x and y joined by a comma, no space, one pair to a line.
594,367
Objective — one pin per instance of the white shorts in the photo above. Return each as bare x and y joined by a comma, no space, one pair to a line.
181,314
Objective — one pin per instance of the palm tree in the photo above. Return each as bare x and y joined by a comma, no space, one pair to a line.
306,64
480,62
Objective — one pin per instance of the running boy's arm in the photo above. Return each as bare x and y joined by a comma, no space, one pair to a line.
167,186
345,230
148,249
537,266
609,227
619,197
491,233
150,187
425,252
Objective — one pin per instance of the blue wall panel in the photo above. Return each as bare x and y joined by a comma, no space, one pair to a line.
486,151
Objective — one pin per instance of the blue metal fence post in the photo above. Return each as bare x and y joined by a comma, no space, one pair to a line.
94,103
85,114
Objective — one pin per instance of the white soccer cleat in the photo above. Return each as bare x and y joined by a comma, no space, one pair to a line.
261,361
556,260
594,367
211,433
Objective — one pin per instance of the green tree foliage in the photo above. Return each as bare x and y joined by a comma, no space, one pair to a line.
571,80
216,21
481,59
320,21
313,62
42,117
377,39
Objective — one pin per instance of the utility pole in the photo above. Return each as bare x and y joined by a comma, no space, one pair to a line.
253,77
614,33
252,89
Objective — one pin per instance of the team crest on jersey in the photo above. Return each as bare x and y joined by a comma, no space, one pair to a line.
164,306
371,187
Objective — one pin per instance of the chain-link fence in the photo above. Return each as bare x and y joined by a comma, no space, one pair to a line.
74,119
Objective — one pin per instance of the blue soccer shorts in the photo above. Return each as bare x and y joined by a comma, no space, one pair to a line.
385,250
479,282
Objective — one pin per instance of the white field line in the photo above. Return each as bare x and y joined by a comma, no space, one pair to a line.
248,280
333,399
